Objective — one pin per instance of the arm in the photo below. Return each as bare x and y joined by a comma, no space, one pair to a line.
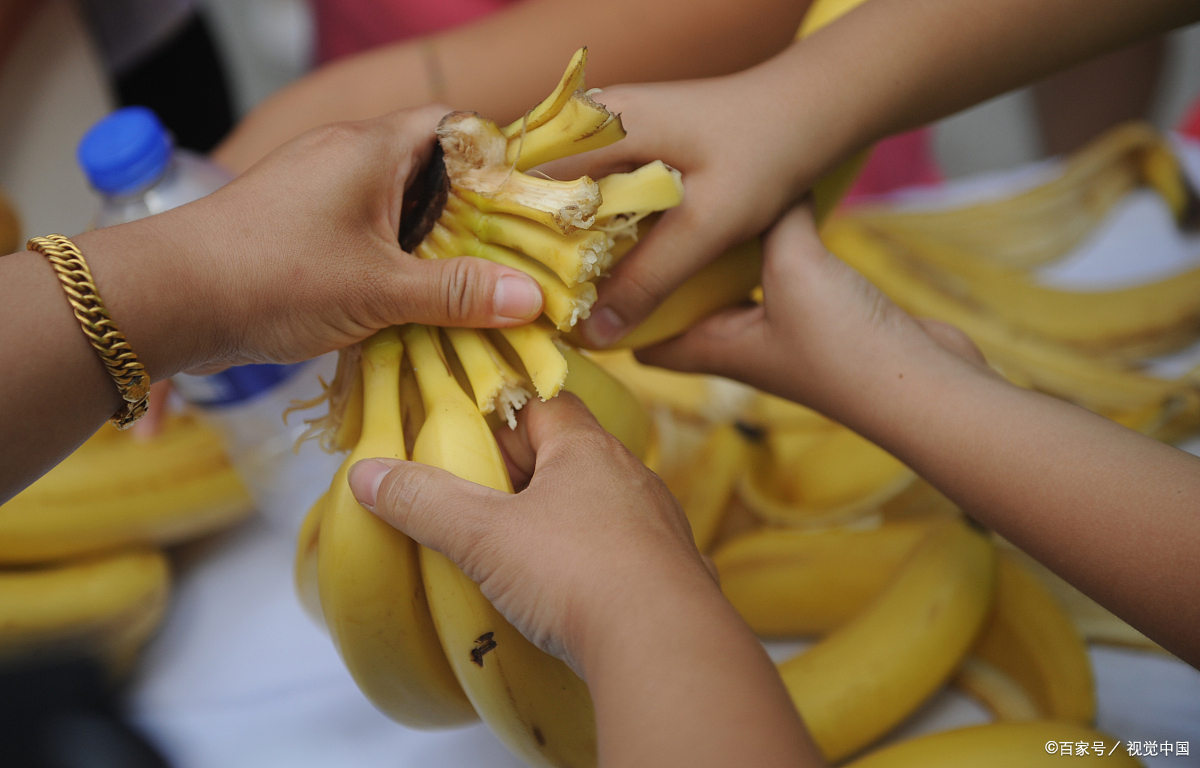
594,561
751,144
505,63
247,274
1108,509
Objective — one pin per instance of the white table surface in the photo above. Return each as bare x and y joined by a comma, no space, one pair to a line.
241,678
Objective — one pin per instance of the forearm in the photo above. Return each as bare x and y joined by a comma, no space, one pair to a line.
505,63
1110,510
891,65
56,392
677,678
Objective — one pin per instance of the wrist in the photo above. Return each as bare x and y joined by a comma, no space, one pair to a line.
151,279
640,615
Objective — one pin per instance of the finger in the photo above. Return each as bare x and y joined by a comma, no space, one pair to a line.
729,343
676,248
432,506
460,292
548,424
519,457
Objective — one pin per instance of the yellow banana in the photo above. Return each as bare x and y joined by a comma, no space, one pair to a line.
801,583
100,606
1130,322
305,571
867,676
1000,745
1046,222
1031,639
370,587
532,701
117,490
709,481
1027,360
996,690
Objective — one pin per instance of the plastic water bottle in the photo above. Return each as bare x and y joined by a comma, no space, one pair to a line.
129,160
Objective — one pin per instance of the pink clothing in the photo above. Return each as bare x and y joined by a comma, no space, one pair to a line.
1191,123
905,160
350,26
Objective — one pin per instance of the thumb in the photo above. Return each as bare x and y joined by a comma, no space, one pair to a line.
430,505
730,343
460,292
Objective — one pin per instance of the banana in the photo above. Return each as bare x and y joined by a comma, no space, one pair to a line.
613,405
996,690
863,679
692,396
821,478
1048,221
305,569
116,490
800,583
533,702
1031,639
1026,360
541,358
369,575
493,380
104,606
727,280
710,480
1138,321
999,745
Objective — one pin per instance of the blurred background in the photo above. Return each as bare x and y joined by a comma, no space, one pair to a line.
238,675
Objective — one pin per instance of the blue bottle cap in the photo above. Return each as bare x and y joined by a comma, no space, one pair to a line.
125,151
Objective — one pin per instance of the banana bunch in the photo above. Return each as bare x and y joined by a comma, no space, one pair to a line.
420,639
1049,220
117,490
79,572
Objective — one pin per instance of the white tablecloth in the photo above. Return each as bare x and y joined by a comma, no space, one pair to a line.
241,678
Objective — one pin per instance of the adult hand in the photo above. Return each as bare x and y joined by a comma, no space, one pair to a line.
564,556
299,255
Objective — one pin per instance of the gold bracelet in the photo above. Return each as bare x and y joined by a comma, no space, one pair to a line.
115,352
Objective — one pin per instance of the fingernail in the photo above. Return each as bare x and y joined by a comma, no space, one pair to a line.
604,327
365,478
517,298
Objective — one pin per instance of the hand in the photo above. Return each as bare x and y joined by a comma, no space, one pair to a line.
299,256
824,335
564,557
743,164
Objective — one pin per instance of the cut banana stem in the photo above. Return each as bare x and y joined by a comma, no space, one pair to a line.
480,173
539,355
496,384
371,592
579,256
654,187
572,81
581,125
563,305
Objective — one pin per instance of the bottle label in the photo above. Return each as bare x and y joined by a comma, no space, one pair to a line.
234,386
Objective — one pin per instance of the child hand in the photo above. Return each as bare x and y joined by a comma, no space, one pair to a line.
824,336
565,557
